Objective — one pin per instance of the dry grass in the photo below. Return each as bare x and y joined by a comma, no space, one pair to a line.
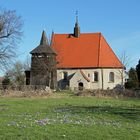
85,93
109,93
20,94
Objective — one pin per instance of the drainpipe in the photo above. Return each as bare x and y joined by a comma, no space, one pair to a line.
102,77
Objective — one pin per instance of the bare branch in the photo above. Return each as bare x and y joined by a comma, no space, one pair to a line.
125,59
10,35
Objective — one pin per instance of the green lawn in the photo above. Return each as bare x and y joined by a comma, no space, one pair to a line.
69,118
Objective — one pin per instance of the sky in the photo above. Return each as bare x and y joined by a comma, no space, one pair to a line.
117,20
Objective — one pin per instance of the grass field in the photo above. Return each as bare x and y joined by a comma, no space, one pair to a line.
69,118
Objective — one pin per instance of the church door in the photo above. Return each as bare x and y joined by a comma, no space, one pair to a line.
80,86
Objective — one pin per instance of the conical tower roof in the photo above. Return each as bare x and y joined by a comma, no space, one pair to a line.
44,46
43,40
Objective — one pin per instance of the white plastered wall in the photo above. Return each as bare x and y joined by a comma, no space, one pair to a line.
103,78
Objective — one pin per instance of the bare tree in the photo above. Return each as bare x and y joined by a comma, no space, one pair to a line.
125,60
16,73
27,63
10,35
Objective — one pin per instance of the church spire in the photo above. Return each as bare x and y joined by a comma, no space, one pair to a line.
43,40
76,28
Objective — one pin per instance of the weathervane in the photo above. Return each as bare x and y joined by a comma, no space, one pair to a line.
76,13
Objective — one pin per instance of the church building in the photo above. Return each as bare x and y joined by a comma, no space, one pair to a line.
76,61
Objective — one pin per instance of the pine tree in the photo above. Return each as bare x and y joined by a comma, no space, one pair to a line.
138,71
133,79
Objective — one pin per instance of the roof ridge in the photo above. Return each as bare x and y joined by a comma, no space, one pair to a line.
80,33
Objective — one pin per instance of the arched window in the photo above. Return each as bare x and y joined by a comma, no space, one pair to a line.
95,76
111,77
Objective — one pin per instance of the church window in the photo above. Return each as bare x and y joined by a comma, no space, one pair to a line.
111,77
95,76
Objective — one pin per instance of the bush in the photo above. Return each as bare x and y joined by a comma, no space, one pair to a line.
6,82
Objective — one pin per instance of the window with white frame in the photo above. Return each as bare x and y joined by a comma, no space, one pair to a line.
95,77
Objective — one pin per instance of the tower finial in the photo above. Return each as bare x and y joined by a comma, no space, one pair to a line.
76,28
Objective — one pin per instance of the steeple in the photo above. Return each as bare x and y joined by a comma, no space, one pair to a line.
44,46
43,40
76,28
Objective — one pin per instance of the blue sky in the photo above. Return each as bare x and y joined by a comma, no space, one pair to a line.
117,20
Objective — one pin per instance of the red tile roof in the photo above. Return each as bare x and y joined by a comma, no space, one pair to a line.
87,51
